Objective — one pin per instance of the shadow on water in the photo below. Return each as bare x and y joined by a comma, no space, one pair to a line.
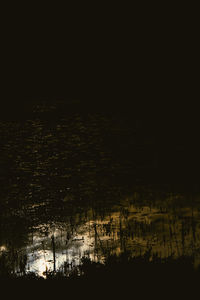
88,194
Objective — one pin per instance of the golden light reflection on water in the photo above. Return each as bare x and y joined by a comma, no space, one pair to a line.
134,229
128,227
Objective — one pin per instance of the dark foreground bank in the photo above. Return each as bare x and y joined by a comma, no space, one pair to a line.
119,271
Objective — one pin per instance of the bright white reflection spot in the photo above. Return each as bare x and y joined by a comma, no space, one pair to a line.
40,255
2,248
40,262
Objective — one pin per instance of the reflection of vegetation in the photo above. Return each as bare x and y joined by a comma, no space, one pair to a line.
123,268
136,225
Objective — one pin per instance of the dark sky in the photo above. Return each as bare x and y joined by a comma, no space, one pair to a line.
150,69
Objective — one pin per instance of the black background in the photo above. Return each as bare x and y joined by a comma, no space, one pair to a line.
133,62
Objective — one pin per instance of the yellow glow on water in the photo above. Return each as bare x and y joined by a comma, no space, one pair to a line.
133,228
93,236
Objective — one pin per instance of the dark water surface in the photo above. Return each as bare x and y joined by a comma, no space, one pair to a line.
88,184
